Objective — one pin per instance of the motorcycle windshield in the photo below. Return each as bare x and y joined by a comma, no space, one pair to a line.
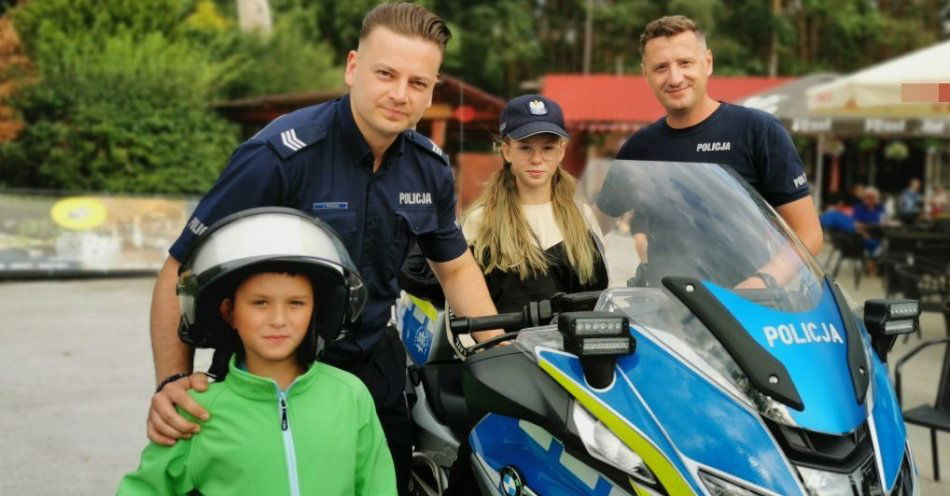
703,222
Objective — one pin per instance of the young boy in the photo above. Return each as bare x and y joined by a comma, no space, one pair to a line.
273,284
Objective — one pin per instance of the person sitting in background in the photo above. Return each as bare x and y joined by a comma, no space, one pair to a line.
838,215
869,212
854,197
867,217
911,203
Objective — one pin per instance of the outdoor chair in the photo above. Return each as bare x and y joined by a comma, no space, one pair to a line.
938,253
937,416
833,248
926,282
848,246
887,265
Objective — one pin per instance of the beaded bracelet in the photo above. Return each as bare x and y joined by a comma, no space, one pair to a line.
171,378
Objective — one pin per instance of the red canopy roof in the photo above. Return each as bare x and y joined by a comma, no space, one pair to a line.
606,102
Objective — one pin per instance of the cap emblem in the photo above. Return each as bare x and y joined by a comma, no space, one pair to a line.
537,107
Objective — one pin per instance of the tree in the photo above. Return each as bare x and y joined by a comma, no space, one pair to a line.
124,91
125,115
846,35
480,30
617,38
121,103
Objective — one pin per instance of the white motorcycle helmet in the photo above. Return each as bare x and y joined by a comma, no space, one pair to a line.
267,239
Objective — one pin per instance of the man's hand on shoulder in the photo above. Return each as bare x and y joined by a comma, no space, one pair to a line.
165,425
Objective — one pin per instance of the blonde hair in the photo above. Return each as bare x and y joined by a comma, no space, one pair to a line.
407,19
504,239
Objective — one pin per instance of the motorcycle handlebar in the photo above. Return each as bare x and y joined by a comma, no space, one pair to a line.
534,313
569,302
464,325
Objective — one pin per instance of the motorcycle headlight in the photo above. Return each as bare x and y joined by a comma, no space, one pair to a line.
607,447
864,481
721,487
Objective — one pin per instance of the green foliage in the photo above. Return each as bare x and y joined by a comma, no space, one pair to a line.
897,150
847,35
802,143
118,112
617,35
292,59
126,87
902,35
868,143
52,21
701,11
207,18
289,61
740,42
103,148
485,27
340,22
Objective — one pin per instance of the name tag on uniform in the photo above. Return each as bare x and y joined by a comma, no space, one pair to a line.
331,206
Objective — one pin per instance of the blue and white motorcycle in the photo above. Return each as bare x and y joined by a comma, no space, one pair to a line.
727,364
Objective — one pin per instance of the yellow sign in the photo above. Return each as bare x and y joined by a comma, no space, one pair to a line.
79,213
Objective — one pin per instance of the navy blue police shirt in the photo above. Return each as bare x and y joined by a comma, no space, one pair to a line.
316,160
750,141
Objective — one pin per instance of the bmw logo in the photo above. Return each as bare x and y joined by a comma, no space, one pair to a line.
511,484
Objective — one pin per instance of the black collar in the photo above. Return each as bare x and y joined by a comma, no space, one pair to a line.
356,144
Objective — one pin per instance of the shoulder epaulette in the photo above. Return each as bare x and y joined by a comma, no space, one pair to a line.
427,145
290,141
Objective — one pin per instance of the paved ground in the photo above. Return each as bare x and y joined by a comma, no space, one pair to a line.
75,380
76,376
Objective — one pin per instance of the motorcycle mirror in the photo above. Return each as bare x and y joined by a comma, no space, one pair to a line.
598,338
887,319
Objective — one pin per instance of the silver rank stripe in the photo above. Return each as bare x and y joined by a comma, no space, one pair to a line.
291,141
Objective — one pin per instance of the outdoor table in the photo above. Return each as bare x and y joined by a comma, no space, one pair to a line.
915,243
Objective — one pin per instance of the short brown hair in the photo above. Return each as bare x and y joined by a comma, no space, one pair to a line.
670,26
407,19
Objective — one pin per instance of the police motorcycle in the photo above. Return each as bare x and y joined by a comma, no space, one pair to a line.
679,379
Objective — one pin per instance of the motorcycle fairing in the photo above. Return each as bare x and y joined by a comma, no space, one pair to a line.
721,435
418,327
886,425
540,458
813,347
632,423
705,423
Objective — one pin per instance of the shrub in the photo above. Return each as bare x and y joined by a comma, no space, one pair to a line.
125,87
125,116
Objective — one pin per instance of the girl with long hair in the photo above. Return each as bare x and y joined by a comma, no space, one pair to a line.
528,232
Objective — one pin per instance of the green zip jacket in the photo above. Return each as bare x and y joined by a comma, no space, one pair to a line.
320,437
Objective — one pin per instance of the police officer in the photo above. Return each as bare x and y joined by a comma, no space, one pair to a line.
677,65
355,163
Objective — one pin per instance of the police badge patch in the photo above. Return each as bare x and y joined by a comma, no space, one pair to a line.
537,107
